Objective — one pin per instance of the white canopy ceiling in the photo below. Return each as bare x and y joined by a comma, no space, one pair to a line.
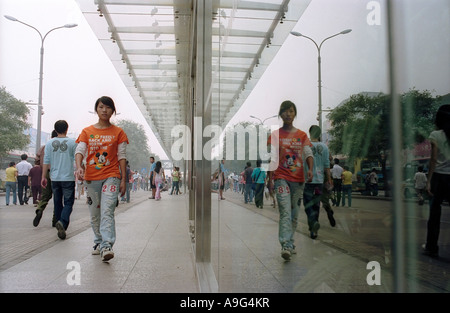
150,43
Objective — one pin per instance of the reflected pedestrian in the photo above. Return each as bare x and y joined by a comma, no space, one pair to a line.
438,183
346,186
336,174
11,182
313,190
289,147
104,146
259,178
420,184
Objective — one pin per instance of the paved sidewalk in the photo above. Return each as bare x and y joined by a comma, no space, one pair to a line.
154,251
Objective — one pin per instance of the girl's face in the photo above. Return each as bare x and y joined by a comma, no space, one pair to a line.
288,116
104,112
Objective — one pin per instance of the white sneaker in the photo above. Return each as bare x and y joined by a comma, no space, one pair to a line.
96,250
286,254
107,254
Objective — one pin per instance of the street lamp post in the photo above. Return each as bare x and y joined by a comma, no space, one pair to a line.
41,73
319,113
262,122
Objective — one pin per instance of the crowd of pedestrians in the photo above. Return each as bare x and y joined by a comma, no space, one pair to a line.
303,171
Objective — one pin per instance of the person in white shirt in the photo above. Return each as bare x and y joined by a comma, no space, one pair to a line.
420,183
23,169
336,174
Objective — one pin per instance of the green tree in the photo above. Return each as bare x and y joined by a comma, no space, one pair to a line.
13,123
361,126
138,151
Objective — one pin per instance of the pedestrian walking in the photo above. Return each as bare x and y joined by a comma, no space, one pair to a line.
34,182
104,146
47,191
438,183
373,181
11,182
158,179
152,185
175,180
347,186
313,190
336,174
420,184
259,178
23,169
59,157
248,191
286,174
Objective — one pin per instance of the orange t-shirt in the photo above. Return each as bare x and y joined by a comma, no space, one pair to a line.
101,154
290,160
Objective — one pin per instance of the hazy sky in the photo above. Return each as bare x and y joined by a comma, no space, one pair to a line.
77,71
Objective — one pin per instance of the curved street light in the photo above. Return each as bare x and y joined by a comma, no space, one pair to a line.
346,31
262,122
41,74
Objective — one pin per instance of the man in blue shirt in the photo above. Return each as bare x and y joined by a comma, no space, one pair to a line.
60,157
313,189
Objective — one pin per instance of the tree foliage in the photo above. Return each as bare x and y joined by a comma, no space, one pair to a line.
361,126
138,151
13,123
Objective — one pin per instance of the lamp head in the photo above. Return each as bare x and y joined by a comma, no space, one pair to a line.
11,18
345,31
296,34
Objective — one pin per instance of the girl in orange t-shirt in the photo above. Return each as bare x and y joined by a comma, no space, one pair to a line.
286,174
103,145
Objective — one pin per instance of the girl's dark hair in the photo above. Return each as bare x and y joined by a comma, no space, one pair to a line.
442,120
285,105
158,166
106,101
12,163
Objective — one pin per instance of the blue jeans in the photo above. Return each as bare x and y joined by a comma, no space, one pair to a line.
103,195
126,196
347,191
248,193
63,199
311,199
11,186
289,195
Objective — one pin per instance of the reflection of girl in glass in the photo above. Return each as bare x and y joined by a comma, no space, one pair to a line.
287,176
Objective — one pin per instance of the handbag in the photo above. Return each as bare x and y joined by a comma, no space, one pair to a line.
254,183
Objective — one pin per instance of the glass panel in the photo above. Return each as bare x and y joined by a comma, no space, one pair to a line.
422,86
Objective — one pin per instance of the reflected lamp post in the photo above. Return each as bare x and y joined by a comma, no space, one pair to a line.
319,113
41,74
262,121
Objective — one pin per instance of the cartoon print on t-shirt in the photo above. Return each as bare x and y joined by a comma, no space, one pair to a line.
101,160
292,162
